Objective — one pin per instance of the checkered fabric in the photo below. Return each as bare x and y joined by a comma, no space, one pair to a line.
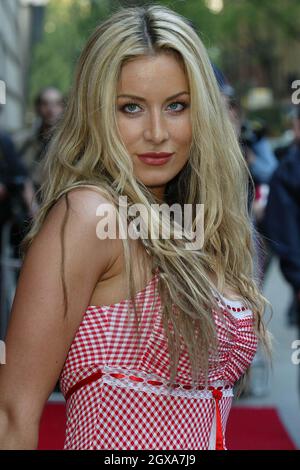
128,405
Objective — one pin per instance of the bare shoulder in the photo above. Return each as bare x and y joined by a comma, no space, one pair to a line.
82,202
77,211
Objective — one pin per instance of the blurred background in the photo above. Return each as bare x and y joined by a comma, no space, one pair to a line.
254,46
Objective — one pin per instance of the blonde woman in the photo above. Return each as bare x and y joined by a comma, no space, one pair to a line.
147,335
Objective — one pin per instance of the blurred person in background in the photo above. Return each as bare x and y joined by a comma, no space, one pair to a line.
262,163
282,218
287,139
17,199
253,136
49,106
260,156
16,188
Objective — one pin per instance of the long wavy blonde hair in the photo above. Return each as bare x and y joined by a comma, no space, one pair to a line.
87,149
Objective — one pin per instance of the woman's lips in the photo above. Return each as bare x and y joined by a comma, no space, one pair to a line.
155,158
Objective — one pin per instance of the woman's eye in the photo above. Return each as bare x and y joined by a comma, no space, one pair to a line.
131,107
178,103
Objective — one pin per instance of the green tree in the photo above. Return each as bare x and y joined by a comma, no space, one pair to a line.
251,40
67,26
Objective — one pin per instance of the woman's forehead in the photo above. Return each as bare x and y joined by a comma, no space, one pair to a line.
152,74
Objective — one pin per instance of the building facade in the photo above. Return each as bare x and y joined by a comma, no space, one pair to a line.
19,22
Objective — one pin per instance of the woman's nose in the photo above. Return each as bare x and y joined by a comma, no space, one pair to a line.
156,127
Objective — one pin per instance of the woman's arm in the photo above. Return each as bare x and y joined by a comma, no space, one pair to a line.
38,337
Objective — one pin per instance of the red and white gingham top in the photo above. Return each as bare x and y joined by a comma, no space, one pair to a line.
116,389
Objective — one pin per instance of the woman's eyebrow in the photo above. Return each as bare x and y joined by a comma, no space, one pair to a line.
143,99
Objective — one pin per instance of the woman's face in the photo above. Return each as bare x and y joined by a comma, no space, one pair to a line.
153,115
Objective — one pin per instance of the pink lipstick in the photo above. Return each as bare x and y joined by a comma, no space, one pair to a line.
155,158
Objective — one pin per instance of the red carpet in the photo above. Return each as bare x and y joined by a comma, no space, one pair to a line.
256,429
247,429
52,427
